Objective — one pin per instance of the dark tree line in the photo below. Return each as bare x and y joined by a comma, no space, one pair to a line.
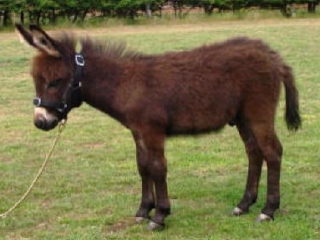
48,11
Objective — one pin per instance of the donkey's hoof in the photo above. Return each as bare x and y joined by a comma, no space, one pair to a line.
264,218
152,226
237,212
141,219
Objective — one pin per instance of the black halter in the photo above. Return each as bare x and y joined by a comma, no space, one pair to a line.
73,95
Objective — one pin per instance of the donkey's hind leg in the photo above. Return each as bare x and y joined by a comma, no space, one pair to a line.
255,158
272,151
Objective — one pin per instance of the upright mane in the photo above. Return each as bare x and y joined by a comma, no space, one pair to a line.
108,47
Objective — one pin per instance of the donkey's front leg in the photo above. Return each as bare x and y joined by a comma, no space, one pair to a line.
147,193
147,199
157,169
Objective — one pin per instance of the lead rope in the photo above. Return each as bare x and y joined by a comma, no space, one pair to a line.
62,126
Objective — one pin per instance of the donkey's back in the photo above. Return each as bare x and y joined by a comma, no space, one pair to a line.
203,89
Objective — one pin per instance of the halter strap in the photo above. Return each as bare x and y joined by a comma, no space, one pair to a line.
75,85
79,60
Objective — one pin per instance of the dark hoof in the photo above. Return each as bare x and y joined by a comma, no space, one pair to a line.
152,226
264,218
237,211
141,219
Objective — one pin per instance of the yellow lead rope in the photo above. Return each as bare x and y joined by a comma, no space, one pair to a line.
62,125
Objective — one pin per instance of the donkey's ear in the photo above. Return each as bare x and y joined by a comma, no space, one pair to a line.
39,39
24,35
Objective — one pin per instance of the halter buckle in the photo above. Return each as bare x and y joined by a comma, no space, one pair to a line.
37,101
79,60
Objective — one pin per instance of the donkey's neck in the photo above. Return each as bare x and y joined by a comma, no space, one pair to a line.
103,80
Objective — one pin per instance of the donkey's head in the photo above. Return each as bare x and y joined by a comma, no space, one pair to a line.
56,71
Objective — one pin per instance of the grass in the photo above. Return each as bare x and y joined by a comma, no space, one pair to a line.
91,188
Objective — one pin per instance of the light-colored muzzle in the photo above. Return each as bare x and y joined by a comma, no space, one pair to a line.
44,119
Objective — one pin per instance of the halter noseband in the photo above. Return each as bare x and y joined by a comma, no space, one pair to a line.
73,91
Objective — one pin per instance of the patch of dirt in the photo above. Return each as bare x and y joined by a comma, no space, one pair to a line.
118,226
94,145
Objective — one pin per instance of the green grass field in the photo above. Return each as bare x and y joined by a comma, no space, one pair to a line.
91,188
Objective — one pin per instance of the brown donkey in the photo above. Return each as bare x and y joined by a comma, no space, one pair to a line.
235,82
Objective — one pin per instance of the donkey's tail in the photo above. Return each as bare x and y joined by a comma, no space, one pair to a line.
292,115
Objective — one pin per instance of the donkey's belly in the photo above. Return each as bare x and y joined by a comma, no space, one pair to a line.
196,123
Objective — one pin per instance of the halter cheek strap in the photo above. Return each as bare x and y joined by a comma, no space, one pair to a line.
74,92
79,60
73,95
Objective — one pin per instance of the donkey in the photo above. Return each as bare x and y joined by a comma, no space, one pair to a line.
234,82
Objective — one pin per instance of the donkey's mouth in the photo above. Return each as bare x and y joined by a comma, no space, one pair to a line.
45,120
45,125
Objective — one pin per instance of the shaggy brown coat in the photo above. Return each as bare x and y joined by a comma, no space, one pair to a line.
191,92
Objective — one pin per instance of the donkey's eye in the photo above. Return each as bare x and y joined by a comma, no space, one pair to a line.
54,83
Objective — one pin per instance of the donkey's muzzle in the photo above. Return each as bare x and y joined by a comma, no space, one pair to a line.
45,120
45,125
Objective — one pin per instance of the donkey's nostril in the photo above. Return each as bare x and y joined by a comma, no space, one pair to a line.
40,123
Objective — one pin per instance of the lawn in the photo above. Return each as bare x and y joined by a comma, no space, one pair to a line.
91,187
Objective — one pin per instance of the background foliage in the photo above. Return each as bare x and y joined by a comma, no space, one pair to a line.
48,11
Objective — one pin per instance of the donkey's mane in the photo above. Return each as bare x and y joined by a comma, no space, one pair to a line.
108,47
